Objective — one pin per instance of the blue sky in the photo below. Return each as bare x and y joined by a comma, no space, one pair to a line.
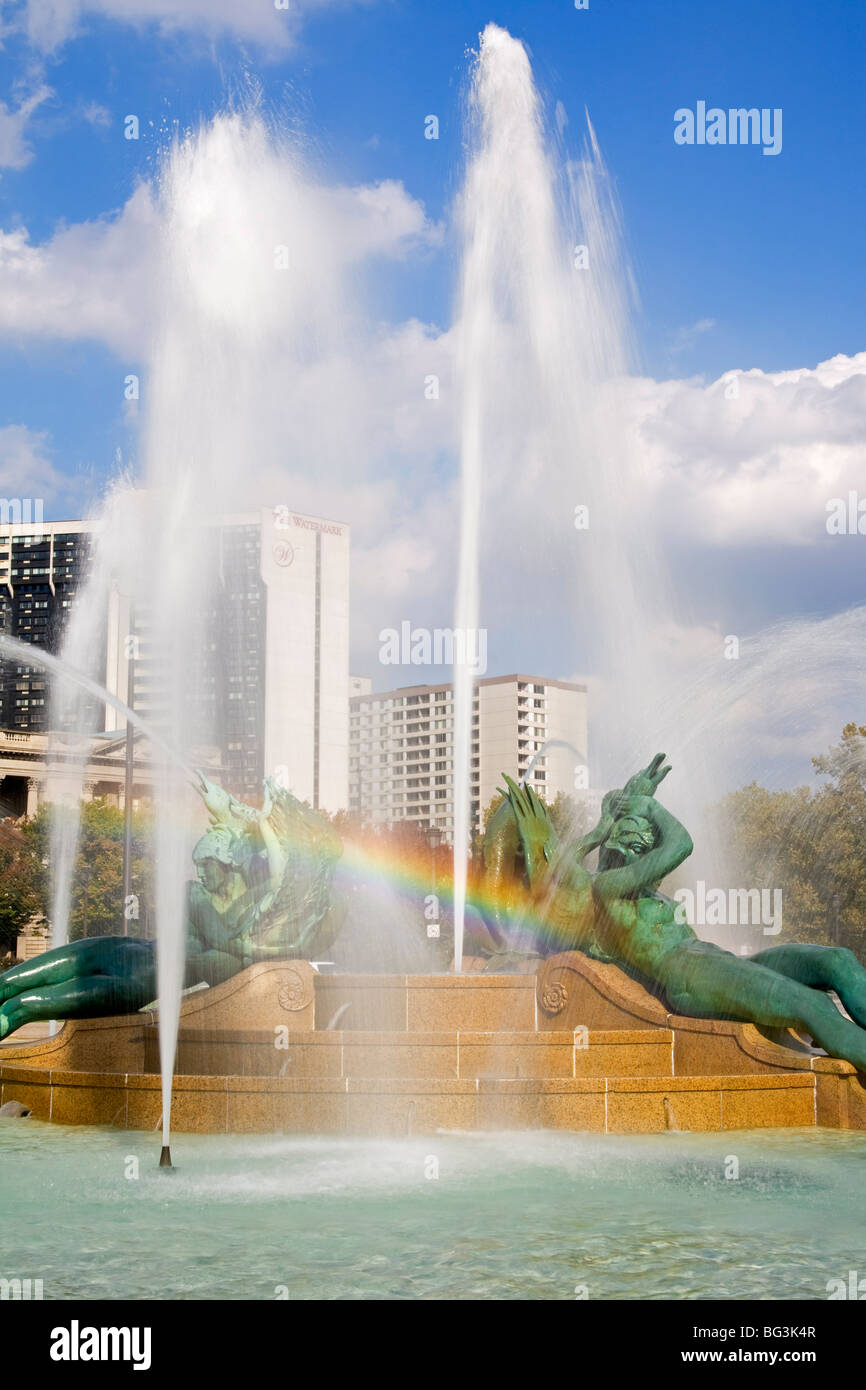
742,262
769,249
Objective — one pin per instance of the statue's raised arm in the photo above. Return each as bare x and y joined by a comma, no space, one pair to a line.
224,809
644,845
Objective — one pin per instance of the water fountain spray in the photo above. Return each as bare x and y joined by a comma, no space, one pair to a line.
16,650
506,183
12,648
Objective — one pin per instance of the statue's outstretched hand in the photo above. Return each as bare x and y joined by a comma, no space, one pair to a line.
644,783
215,798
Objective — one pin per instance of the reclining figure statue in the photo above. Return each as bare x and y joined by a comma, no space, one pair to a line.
264,891
618,914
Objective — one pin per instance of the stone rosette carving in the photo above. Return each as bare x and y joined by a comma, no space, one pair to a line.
554,997
295,992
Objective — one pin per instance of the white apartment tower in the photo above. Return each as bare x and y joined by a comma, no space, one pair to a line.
401,754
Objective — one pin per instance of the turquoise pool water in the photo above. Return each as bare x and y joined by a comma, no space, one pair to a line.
534,1215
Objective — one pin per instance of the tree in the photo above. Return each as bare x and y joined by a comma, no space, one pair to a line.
808,843
841,872
96,904
476,844
22,898
570,816
570,819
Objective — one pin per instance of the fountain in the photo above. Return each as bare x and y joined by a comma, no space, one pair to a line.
641,992
587,1100
561,1011
65,673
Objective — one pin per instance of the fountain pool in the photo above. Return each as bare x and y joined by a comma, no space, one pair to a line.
448,1216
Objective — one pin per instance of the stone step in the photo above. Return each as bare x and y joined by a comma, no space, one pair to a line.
425,1003
444,1054
690,1047
590,1049
400,1106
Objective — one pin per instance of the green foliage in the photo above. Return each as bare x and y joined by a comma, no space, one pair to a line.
476,838
490,810
570,817
21,885
810,844
566,812
96,907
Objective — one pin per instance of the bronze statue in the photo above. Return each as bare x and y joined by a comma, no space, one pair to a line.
618,914
264,891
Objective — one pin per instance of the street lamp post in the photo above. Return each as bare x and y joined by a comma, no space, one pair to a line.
434,840
86,874
128,782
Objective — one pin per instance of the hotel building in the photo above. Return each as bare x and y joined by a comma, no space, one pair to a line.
274,691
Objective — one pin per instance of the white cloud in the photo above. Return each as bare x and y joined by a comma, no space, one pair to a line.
754,457
96,115
687,337
26,469
95,280
50,23
90,280
379,220
15,152
706,466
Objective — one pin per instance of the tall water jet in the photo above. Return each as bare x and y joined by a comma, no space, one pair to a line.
507,303
79,709
61,668
193,443
546,455
248,301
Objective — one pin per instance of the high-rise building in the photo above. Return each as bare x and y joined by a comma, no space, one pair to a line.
401,765
41,570
274,683
360,685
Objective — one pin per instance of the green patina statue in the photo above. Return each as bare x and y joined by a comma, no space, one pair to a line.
618,914
264,891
